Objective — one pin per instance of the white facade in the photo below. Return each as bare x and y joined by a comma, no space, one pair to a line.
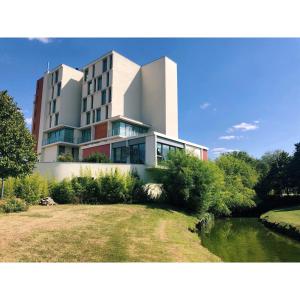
114,106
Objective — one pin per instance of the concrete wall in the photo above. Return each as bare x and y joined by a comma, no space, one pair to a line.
126,88
150,149
159,91
49,154
70,100
61,170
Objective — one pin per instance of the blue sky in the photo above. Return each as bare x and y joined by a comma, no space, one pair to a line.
234,94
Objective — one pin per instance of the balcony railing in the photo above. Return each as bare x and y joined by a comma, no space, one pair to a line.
66,139
83,139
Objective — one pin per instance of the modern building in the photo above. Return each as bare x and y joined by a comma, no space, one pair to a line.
112,106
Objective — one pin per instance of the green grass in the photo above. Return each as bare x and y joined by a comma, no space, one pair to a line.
285,220
100,233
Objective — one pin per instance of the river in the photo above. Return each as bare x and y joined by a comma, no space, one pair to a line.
248,240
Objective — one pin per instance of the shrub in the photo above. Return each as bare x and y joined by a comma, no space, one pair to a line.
190,183
86,189
31,188
63,192
118,188
13,205
67,157
97,158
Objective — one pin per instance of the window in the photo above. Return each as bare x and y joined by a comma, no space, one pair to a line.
98,115
126,129
61,150
58,89
107,79
106,112
50,108
110,61
50,121
86,74
89,87
99,83
84,104
56,76
85,135
94,85
103,97
93,70
93,116
162,151
104,65
52,94
120,154
52,77
88,118
56,119
137,154
60,135
54,106
109,94
92,102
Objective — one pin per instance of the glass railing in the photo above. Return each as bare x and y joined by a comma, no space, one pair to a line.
83,139
66,139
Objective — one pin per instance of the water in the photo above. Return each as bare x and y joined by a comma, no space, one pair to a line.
248,240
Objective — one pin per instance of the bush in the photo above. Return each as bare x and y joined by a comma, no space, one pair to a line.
31,188
86,189
118,188
67,157
63,192
97,158
13,205
190,183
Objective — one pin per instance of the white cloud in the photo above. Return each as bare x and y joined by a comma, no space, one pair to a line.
28,121
218,151
244,126
230,137
205,105
42,40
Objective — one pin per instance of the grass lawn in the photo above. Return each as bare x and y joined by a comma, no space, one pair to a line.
102,233
286,220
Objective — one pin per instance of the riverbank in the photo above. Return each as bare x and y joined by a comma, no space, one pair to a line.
100,233
284,220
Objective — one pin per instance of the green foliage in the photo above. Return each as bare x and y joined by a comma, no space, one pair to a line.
17,155
67,157
86,189
97,158
294,169
240,177
63,192
190,183
117,188
275,180
13,205
31,188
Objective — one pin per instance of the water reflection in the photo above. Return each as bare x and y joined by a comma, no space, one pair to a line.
247,240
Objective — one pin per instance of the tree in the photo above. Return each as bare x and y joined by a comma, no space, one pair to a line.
240,177
294,168
17,155
190,183
276,178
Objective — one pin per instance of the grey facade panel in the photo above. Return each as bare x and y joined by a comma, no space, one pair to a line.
136,141
169,142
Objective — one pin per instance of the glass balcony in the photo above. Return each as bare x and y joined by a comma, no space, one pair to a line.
62,135
126,129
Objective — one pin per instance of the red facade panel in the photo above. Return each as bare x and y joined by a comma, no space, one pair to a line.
100,149
101,131
37,110
205,154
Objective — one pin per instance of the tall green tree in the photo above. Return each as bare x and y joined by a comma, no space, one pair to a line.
294,169
276,179
17,155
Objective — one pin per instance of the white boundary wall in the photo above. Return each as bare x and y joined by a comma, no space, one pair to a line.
62,170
